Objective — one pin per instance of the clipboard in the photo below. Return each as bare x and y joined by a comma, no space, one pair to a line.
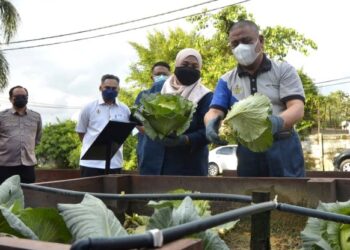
109,141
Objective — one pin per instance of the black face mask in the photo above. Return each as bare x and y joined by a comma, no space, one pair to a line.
186,75
20,101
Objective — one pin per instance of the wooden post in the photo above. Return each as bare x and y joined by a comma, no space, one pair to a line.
260,225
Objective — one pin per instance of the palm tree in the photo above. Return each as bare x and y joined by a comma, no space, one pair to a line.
9,19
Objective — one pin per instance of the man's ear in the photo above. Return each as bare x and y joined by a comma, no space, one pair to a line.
261,39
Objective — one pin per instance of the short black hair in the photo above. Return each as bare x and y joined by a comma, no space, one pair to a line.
243,23
16,87
109,76
161,63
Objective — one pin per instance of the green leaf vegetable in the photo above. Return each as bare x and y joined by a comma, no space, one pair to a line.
91,218
10,192
165,115
250,124
328,235
34,223
167,216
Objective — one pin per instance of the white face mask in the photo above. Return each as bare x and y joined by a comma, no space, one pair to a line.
245,53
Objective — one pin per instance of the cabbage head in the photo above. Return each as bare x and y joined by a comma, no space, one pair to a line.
250,124
164,114
328,235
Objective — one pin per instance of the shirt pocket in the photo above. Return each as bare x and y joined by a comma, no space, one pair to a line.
120,117
30,126
9,128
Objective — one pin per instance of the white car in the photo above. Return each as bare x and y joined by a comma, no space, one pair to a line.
222,158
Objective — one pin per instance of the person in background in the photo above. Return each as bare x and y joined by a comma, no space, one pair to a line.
186,154
159,73
93,118
20,132
277,80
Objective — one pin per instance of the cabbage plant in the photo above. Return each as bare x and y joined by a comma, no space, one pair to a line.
328,235
164,114
250,124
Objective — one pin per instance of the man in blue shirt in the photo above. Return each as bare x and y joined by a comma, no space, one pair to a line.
277,80
159,73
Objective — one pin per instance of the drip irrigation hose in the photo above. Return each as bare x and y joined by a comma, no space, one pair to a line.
104,196
313,213
158,238
196,196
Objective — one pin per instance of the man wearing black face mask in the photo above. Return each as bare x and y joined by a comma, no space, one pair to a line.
94,117
20,132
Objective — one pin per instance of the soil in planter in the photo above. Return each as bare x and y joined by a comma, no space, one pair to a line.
285,232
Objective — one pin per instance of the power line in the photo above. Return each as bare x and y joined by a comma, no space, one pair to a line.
113,25
45,105
332,84
121,31
333,80
53,107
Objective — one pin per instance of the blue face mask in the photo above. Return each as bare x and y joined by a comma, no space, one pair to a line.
109,94
160,78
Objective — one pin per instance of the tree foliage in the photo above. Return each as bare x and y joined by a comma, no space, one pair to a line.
312,99
335,108
59,141
210,38
9,19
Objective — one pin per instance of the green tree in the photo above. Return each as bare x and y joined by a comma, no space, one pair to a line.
9,19
128,96
210,38
312,100
214,48
59,146
336,109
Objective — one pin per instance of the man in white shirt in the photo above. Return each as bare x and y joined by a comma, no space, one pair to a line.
93,118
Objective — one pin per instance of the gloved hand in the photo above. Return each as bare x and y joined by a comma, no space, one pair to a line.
170,141
277,123
212,131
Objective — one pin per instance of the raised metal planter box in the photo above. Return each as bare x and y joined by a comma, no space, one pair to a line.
305,192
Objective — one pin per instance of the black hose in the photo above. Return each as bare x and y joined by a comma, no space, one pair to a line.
313,213
124,242
196,196
172,233
104,196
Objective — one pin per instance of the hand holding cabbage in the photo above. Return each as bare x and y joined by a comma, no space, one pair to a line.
249,122
164,114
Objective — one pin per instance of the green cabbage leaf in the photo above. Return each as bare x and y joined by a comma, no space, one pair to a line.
328,235
250,124
164,114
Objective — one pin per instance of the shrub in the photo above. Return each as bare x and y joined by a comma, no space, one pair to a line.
59,145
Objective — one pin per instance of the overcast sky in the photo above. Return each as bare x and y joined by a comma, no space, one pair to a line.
68,75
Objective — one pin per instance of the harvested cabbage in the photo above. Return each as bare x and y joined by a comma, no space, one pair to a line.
164,114
250,124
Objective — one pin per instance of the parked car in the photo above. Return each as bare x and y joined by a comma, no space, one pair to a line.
341,161
222,158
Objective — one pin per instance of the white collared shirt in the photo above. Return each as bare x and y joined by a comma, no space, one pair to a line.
93,118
